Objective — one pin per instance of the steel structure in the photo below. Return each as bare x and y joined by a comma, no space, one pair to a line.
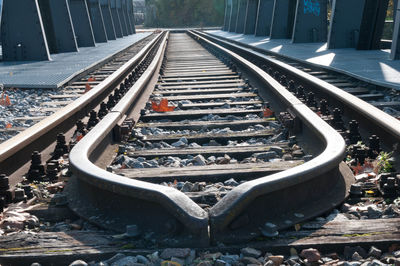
353,24
31,30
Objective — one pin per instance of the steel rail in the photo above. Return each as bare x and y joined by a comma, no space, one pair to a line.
375,120
161,209
16,151
317,174
170,214
306,63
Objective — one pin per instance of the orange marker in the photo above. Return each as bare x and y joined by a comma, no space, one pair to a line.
87,87
267,112
8,101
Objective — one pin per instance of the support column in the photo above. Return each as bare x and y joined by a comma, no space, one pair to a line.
127,18
22,32
96,16
131,14
122,18
283,19
251,17
241,16
233,17
228,7
107,18
311,21
345,23
372,24
58,26
264,17
395,53
116,19
81,21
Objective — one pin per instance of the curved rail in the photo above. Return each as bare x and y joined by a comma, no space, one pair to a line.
374,119
287,197
318,174
17,151
165,211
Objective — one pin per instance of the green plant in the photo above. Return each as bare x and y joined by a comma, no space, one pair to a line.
383,162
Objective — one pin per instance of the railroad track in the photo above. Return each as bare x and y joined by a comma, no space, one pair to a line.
217,115
59,98
15,154
385,98
179,189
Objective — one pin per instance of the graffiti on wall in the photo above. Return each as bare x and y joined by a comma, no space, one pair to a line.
312,7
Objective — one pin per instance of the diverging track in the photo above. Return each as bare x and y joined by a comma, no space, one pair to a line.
221,128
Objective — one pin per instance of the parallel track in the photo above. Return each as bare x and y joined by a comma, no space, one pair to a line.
172,215
282,197
384,97
15,153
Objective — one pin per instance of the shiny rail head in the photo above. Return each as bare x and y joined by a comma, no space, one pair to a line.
114,202
288,197
242,213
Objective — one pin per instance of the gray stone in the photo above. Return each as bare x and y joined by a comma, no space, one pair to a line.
277,149
213,143
269,230
175,252
192,256
211,159
155,260
287,157
311,254
298,154
374,252
250,260
199,160
212,256
127,261
205,263
149,165
187,187
142,259
231,259
231,182
78,263
134,164
265,155
351,263
224,160
179,144
271,263
392,210
178,260
376,263
349,251
184,140
194,145
374,212
220,263
250,252
356,256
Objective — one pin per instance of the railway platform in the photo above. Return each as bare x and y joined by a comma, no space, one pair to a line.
369,65
63,66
